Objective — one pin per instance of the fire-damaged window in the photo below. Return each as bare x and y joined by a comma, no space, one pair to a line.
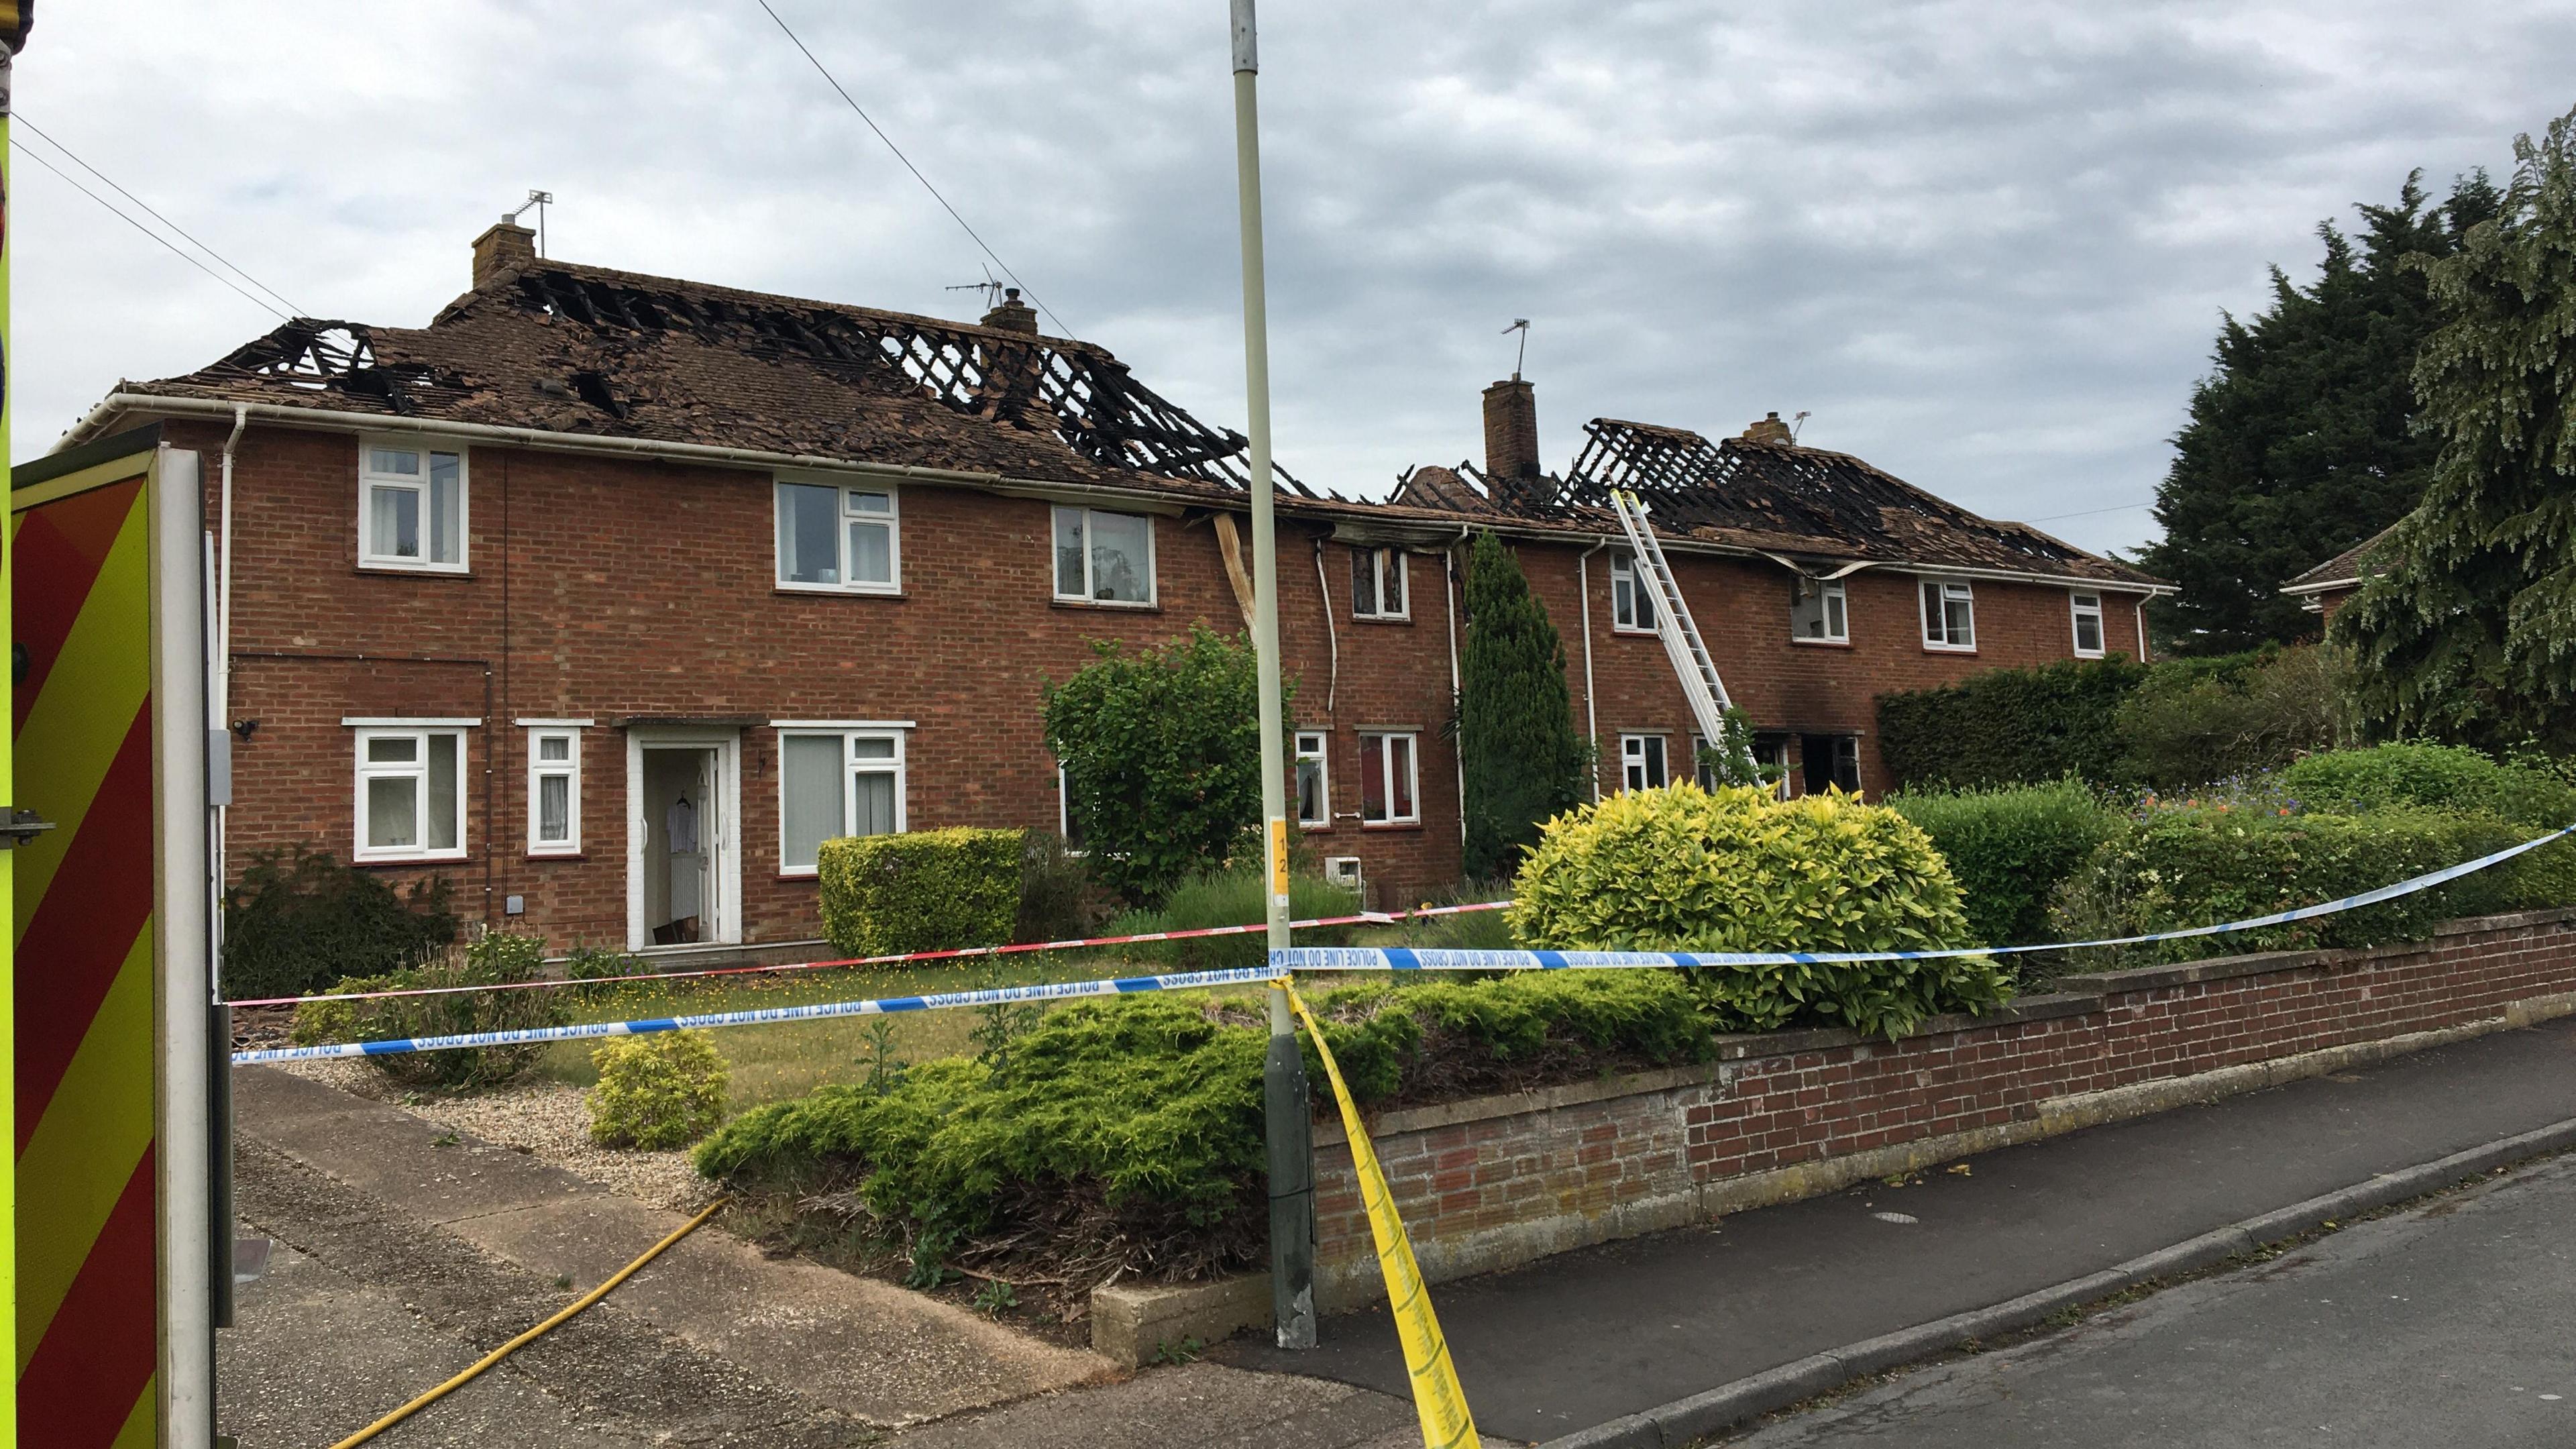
1641,762
411,508
1377,584
1632,605
1314,784
1831,761
1949,615
1770,756
1389,779
831,537
1104,558
410,804
2088,625
1818,612
834,783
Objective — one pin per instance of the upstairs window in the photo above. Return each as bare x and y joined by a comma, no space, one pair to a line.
2088,625
835,783
1314,785
1641,762
1377,584
1389,779
1818,612
410,804
830,537
1632,604
1949,615
411,508
1103,558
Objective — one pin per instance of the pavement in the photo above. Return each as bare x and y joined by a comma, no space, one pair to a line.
1582,1338
2453,1322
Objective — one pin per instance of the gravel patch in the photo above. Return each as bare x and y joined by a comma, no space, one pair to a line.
547,1120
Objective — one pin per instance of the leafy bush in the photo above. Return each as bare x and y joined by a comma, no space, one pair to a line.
1683,869
1154,1102
601,963
925,890
2196,866
2009,848
2438,776
299,921
2009,726
1162,759
2191,722
1233,898
497,959
1055,891
657,1092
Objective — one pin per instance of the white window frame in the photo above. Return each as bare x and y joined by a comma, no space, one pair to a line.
892,518
1153,572
369,481
846,732
1835,605
2080,607
1625,578
1634,764
539,770
1941,588
420,731
1316,745
1376,561
1064,813
1386,764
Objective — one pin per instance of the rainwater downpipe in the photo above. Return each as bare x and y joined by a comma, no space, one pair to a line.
1332,635
1591,720
1449,600
223,710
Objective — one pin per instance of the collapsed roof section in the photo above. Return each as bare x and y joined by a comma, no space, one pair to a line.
574,349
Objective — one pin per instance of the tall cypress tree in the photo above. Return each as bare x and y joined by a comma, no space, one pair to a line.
1517,743
2470,633
2301,440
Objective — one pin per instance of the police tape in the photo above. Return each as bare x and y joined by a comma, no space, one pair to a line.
1438,1401
900,958
1370,958
886,1006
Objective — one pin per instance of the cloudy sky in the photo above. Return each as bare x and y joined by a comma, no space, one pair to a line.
1984,245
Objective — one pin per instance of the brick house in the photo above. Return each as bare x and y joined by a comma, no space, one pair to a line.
607,597
2325,588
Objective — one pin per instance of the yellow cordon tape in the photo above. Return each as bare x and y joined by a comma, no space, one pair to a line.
531,1336
1437,1399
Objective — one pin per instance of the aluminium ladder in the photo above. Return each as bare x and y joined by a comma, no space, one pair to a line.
1682,644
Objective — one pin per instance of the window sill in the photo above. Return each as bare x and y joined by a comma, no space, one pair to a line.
404,570
1968,649
1381,618
800,875
844,591
454,857
2091,654
1632,632
546,855
1149,607
1391,825
1821,643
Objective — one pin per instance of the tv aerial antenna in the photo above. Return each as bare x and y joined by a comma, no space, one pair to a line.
991,287
540,200
1521,326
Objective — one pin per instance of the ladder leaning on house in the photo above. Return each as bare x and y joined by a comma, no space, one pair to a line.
1682,644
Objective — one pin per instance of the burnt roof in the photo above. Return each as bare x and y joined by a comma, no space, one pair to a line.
586,350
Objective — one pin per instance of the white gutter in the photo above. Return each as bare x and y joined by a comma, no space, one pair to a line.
1449,602
2299,591
1591,717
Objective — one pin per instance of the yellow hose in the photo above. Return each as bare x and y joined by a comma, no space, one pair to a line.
531,1336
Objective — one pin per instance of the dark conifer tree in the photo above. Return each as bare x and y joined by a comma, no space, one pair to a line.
1523,760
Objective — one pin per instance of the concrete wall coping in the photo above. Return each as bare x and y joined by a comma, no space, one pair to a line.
2086,995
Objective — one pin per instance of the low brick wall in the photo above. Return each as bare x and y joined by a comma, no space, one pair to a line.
1498,1181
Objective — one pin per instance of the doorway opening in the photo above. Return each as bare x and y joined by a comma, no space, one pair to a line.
683,884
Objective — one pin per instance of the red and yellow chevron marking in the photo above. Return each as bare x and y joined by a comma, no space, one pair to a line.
85,1046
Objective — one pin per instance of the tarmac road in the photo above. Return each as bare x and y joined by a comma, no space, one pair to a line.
2453,1323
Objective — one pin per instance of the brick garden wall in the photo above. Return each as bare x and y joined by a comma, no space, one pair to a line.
1490,1183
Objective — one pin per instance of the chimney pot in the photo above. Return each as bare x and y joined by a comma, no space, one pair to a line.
505,247
1511,431
1012,315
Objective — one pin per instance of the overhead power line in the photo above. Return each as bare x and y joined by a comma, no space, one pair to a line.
75,185
1025,289
2090,512
20,118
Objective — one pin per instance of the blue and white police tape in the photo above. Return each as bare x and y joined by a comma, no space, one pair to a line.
887,1006
1369,958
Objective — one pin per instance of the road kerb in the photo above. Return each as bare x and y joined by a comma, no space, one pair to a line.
1686,1420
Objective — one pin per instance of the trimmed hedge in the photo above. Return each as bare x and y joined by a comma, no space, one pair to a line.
2435,776
926,890
2009,849
2010,726
299,921
1684,869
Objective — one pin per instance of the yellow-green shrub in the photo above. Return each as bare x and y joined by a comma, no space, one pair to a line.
923,891
1684,869
660,1091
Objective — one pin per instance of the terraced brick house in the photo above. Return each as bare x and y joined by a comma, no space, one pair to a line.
609,597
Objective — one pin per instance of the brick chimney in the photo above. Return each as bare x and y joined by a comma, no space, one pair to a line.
506,247
1769,430
1012,315
1511,431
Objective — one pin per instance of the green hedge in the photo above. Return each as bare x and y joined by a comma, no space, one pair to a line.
2010,848
1684,869
926,890
498,959
299,921
2435,776
2010,726
2196,866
